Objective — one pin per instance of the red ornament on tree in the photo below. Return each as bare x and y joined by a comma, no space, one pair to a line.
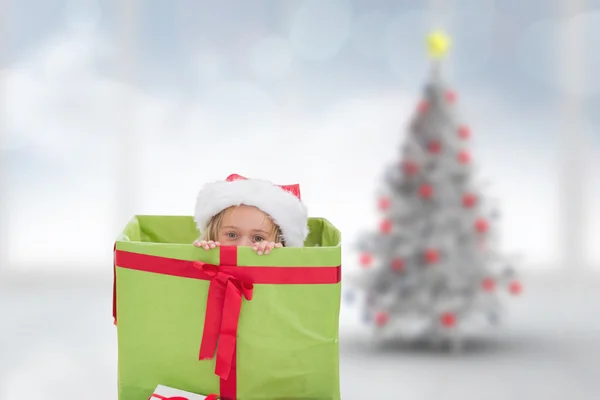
365,260
464,132
464,157
469,200
451,96
481,225
382,318
426,191
434,146
398,264
385,226
488,284
410,168
431,256
448,319
423,107
515,287
384,203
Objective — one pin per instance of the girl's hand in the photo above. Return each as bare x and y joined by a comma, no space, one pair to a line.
206,245
265,247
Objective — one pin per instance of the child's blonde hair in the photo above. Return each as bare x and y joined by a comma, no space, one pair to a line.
214,225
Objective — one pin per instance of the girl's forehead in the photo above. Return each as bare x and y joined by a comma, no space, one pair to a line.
246,215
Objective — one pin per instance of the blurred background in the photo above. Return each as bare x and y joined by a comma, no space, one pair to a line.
111,108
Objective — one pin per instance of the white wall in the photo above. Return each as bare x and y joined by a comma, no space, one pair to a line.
64,121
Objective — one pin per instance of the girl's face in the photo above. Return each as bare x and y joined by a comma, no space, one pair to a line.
245,226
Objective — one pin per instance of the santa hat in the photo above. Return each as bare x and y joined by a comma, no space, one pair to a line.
281,202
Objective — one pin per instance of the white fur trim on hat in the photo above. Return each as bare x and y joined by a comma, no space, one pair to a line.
285,209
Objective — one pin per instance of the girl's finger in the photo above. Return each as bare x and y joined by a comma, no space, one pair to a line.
278,245
269,247
261,247
212,244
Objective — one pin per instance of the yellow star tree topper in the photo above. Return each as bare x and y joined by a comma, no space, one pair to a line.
438,44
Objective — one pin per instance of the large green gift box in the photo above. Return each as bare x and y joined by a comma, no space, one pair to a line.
226,321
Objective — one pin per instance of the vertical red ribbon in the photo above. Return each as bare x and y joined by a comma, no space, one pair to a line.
223,308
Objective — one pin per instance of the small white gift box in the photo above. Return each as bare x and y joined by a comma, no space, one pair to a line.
167,393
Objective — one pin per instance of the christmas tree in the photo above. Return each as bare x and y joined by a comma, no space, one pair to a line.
433,263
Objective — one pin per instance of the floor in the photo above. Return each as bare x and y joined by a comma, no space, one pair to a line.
57,342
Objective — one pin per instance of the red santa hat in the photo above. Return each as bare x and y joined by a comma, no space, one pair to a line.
281,202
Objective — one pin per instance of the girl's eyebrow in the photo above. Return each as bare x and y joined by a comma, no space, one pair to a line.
261,231
229,227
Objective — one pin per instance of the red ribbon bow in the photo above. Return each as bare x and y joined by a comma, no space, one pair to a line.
222,315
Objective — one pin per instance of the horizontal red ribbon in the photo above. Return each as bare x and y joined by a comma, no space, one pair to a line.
255,275
229,283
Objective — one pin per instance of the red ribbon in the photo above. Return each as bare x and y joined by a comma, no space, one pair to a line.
114,305
222,316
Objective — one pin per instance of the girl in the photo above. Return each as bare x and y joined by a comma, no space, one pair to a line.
250,212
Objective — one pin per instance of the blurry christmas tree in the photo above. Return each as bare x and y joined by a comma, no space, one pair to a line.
432,266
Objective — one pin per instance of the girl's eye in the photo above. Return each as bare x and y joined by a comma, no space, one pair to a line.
231,235
258,239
